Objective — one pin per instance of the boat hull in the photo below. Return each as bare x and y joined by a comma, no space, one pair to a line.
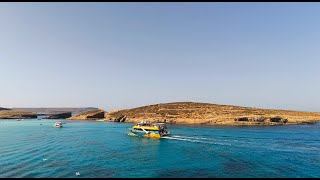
143,134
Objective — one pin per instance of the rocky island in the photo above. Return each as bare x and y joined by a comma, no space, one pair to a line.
90,115
46,111
11,114
60,116
211,114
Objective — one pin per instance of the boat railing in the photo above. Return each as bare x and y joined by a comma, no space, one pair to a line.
144,130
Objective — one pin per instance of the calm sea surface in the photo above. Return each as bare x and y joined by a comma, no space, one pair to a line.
103,149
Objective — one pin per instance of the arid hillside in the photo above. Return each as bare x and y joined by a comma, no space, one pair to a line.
211,114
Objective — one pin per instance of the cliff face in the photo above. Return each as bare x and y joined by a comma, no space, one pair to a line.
212,114
10,114
90,115
60,116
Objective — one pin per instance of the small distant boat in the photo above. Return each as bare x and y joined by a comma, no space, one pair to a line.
100,120
57,125
147,129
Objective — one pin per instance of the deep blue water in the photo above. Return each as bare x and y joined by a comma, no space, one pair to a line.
103,149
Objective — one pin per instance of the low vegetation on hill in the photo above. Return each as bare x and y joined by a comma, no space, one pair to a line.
212,114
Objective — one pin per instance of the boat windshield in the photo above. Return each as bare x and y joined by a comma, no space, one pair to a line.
161,125
144,124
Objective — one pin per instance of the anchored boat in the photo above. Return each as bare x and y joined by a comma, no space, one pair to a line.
147,129
57,125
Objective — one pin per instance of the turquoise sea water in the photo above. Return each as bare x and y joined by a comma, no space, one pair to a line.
103,149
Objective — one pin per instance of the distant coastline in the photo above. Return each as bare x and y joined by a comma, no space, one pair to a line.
33,113
187,113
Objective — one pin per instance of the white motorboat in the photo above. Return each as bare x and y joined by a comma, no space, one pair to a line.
57,124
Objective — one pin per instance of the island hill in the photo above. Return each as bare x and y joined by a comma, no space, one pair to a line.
203,114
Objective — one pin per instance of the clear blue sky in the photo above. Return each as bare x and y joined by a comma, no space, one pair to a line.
122,55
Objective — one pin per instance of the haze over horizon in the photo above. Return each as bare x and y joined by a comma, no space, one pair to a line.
125,55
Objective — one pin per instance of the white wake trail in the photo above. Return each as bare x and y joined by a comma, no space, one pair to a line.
193,139
188,137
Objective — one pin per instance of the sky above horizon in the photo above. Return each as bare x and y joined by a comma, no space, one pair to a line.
123,55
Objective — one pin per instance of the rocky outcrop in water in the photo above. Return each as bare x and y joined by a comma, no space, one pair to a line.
212,114
1,108
90,115
60,116
10,114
